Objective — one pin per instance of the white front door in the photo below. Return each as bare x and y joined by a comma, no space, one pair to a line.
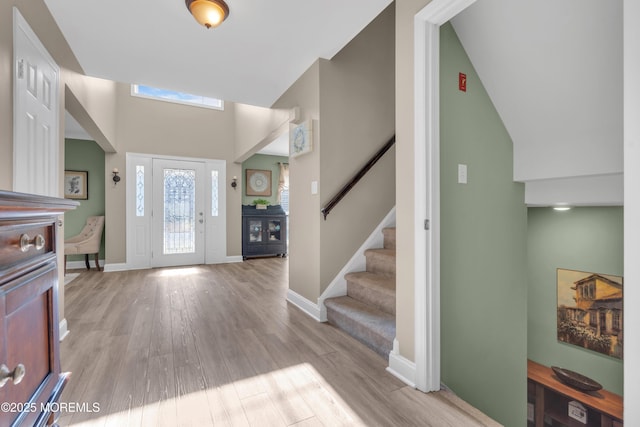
36,114
178,224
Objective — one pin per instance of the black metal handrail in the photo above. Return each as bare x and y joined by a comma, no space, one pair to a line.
357,177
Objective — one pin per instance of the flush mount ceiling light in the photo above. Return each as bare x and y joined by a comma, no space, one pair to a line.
209,13
561,208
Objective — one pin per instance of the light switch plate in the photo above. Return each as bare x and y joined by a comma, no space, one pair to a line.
462,174
314,187
531,409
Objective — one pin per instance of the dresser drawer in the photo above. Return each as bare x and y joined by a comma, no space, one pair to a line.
23,243
28,327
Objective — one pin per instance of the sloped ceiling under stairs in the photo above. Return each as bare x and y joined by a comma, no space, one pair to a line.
554,73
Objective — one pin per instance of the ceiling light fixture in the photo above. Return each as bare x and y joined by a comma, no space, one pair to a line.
561,208
209,13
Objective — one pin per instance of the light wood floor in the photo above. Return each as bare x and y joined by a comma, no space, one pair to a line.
219,345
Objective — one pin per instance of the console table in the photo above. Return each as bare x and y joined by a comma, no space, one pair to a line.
551,399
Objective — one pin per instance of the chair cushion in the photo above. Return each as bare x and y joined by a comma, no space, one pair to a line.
89,239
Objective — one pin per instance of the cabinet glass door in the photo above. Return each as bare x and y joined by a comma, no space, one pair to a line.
255,231
275,227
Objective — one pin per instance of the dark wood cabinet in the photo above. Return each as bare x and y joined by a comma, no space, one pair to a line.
550,399
30,377
264,231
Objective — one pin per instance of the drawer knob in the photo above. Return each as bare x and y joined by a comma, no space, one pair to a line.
16,375
25,242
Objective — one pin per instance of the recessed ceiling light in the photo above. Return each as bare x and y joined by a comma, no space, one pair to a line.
561,208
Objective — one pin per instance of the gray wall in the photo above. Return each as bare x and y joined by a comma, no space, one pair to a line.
483,248
585,239
148,126
351,102
357,117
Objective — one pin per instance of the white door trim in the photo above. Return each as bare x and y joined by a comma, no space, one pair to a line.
427,24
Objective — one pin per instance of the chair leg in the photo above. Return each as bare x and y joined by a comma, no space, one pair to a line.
97,263
65,265
86,261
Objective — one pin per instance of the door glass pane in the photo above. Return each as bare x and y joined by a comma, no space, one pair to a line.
274,230
214,193
139,190
179,211
255,231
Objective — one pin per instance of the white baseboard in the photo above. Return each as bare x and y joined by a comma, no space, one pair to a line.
126,267
121,266
304,304
63,329
401,367
358,262
77,265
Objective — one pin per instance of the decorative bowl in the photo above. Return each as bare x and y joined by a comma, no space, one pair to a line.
576,380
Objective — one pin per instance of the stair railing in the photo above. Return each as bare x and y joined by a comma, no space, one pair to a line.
357,177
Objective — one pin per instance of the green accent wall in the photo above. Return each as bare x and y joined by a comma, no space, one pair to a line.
585,239
483,248
262,162
85,156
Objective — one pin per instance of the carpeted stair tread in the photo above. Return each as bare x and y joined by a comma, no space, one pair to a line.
373,289
373,327
381,261
389,237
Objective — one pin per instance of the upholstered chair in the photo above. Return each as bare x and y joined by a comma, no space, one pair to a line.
87,242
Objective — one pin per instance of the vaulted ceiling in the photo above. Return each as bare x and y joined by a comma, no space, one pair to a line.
252,58
553,69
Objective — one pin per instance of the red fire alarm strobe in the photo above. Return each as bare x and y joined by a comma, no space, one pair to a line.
462,82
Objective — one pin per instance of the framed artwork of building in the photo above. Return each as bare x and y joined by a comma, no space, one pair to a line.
590,311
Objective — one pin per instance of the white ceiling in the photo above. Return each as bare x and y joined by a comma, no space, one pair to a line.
73,130
279,147
252,58
554,73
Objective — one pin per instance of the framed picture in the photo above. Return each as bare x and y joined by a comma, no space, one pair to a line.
300,139
590,311
258,182
76,185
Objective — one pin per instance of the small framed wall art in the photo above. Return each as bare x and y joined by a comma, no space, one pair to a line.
76,184
258,182
300,139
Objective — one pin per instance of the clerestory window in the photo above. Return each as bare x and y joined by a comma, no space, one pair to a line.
176,97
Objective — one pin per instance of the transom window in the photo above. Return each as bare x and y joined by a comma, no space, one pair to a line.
176,97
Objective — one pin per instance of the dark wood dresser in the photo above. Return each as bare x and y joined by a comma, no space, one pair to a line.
30,377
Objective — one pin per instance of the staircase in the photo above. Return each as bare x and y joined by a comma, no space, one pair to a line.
368,311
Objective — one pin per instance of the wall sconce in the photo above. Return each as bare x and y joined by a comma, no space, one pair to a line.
234,182
116,178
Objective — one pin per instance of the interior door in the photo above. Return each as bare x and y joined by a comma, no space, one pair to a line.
36,114
179,219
